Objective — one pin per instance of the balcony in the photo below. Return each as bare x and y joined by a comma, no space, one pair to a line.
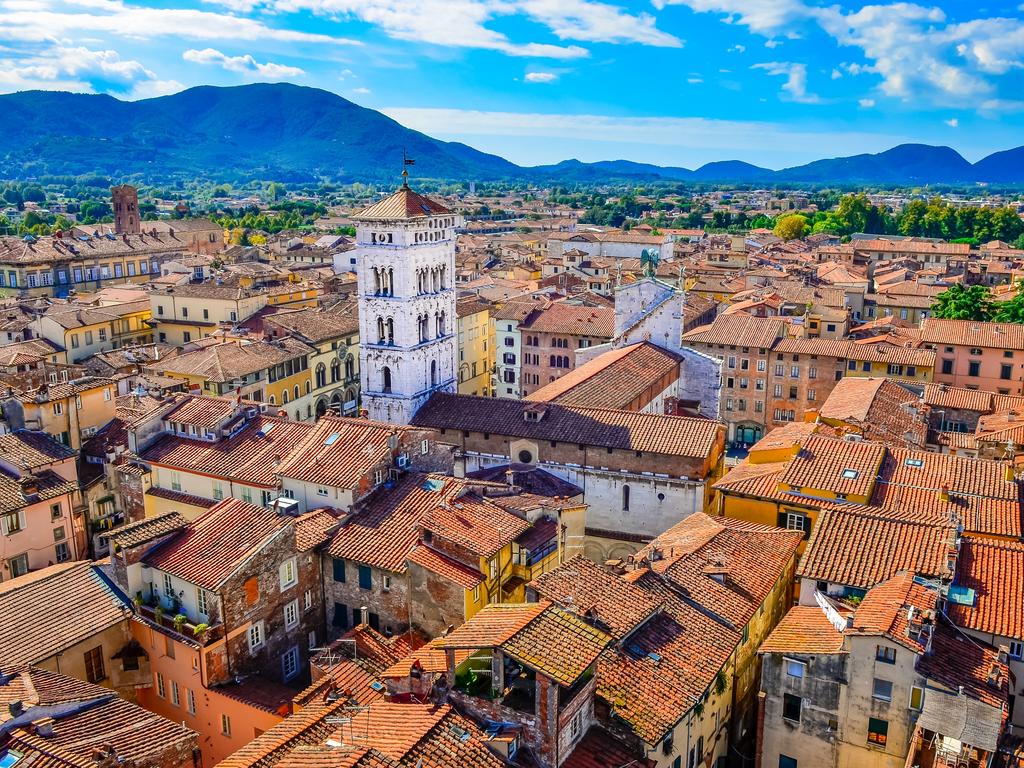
184,631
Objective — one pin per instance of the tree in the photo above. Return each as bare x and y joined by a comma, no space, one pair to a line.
959,303
1011,311
791,227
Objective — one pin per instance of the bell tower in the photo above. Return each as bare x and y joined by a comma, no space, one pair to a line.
405,256
125,200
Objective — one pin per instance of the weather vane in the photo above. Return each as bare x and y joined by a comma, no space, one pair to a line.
406,162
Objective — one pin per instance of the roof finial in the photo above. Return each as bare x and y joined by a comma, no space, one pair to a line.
406,162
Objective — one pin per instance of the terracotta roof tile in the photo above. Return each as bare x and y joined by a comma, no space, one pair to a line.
447,567
40,616
614,379
805,629
557,644
400,205
995,571
147,530
217,542
972,333
861,550
595,592
626,430
492,626
883,611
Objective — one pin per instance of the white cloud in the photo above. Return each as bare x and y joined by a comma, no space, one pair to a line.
736,49
465,23
695,80
245,64
952,122
84,70
540,77
772,44
836,74
361,91
795,86
915,49
114,17
866,103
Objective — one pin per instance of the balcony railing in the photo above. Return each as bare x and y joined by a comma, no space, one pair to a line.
185,631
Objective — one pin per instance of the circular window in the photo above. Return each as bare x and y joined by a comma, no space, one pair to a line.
661,497
525,457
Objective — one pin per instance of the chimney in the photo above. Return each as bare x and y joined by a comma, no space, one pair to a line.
944,494
364,615
1008,472
995,676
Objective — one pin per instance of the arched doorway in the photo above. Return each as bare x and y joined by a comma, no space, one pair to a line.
321,408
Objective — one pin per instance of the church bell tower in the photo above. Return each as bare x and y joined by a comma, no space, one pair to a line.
405,252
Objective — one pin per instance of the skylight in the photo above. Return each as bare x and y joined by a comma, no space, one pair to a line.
914,463
850,474
332,438
265,429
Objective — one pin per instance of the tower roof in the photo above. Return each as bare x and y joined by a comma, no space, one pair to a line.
403,204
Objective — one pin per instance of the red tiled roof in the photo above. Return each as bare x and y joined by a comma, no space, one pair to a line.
402,204
249,457
860,550
957,661
626,430
598,594
995,571
612,380
971,333
338,452
805,629
739,330
492,626
599,749
444,566
217,542
557,644
883,611
572,320
474,523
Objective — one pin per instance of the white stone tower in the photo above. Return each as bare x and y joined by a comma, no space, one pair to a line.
405,251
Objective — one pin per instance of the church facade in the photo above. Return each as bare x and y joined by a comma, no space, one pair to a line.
405,255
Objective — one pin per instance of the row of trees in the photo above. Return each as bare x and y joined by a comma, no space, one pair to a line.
975,303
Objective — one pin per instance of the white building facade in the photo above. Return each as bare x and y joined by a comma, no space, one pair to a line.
405,251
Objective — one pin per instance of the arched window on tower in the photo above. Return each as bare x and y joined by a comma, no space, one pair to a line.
433,373
443,276
441,324
424,323
335,371
391,331
380,330
391,281
376,281
386,379
625,498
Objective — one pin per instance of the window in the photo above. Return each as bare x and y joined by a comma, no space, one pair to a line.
94,671
175,694
18,565
762,365
885,654
190,701
287,574
791,707
256,636
225,725
168,585
365,577
1016,649
785,761
160,690
795,668
12,522
625,498
338,567
290,663
58,408
1005,371
201,605
916,698
947,366
62,552
291,615
973,368
307,600
850,474
881,690
878,731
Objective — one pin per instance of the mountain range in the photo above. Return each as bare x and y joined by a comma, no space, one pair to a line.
288,133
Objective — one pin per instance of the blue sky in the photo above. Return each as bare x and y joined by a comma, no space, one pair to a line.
673,82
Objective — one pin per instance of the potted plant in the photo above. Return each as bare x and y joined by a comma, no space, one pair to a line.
158,614
179,621
200,630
